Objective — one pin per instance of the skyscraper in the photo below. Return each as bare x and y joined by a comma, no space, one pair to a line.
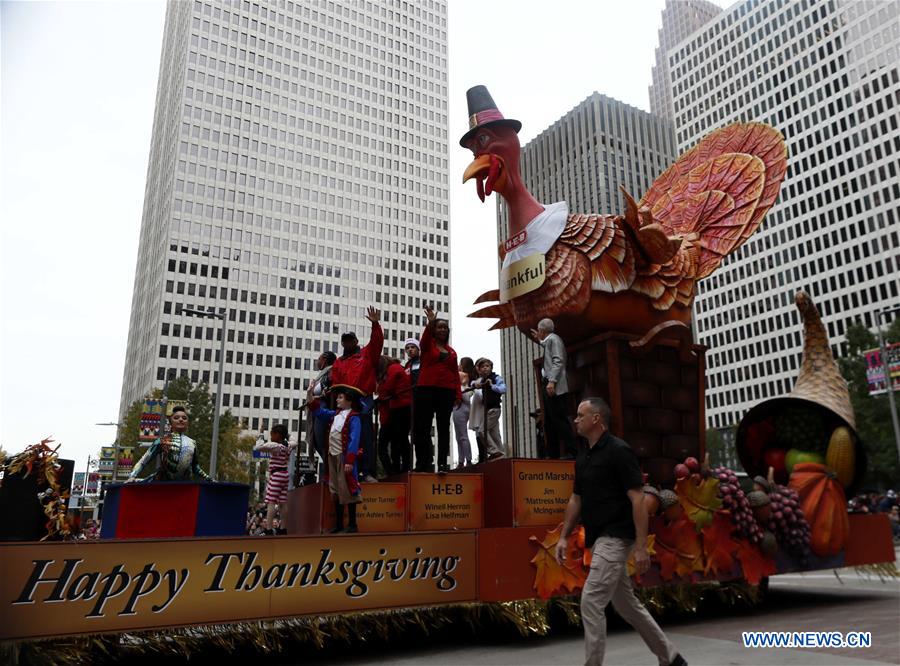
826,75
582,159
298,172
679,19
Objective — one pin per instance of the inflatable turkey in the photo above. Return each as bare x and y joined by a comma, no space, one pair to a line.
593,273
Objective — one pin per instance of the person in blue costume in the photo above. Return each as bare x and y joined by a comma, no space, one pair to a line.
344,435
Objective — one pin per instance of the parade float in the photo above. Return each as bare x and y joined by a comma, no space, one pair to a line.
475,547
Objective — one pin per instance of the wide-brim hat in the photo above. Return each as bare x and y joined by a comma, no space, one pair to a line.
351,391
484,113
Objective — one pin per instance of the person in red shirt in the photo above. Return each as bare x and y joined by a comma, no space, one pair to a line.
436,393
357,367
394,410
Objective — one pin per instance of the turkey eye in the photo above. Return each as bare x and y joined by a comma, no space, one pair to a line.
482,139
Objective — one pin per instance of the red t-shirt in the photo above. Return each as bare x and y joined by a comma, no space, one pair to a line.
435,371
394,391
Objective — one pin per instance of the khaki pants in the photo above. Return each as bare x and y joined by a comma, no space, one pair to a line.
608,581
492,434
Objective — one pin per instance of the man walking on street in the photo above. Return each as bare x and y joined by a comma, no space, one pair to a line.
608,498
558,430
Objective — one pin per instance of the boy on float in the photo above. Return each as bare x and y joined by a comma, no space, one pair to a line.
344,437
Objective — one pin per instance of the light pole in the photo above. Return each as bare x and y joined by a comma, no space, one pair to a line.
87,476
889,384
215,434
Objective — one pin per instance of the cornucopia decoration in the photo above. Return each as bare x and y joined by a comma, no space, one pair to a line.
809,438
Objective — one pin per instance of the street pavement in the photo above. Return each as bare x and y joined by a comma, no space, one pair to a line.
817,601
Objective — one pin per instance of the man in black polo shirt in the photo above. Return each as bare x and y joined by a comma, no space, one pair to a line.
608,497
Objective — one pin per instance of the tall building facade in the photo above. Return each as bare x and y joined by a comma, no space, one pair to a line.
679,19
298,173
582,159
825,73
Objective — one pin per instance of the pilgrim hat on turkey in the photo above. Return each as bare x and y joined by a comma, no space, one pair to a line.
484,113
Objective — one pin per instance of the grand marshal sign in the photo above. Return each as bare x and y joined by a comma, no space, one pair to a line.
55,589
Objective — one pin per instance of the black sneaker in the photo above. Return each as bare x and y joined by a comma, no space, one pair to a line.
336,530
350,529
678,661
443,469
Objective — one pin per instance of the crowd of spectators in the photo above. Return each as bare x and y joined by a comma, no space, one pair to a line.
256,519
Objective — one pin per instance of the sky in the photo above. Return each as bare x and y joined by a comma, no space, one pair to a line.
77,93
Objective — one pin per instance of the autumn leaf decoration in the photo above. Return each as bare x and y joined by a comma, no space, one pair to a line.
701,545
754,564
553,578
678,550
701,501
718,546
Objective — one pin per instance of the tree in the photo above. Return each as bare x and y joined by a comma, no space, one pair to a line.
233,454
715,447
873,417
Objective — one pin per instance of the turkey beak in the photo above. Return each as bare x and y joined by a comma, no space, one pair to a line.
489,173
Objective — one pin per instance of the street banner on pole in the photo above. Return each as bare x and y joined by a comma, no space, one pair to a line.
149,427
78,483
875,375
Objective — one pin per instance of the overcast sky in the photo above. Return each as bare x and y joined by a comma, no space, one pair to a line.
78,91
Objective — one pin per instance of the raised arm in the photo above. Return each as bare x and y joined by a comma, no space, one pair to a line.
269,446
426,341
323,413
375,345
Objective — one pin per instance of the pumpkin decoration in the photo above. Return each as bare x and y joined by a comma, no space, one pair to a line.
841,455
824,506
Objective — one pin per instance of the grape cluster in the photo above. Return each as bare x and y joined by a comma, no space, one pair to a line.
787,521
734,499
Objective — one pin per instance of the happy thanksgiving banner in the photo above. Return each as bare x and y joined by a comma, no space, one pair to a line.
55,589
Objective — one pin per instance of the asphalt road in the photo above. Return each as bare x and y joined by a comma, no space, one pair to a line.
817,601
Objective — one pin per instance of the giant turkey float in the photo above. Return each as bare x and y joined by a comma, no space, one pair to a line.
477,544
